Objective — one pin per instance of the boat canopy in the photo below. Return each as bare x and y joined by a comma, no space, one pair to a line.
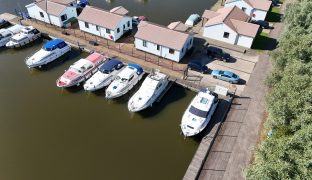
109,65
53,44
198,112
139,68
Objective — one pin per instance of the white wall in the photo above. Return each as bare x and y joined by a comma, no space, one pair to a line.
34,12
121,24
56,21
245,41
259,14
240,4
102,30
163,51
187,46
216,32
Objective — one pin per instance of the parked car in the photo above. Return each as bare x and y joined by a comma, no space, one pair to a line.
137,19
218,53
4,23
192,20
262,24
275,2
225,76
197,66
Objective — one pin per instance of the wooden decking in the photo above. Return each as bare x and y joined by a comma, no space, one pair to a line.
206,143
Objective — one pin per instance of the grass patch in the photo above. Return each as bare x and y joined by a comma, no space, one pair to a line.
274,15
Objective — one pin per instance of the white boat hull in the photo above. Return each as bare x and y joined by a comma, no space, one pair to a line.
112,95
45,61
11,44
202,126
134,107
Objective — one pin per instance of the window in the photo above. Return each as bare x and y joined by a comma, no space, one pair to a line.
124,26
244,9
41,14
108,31
226,35
64,17
144,43
171,51
128,23
191,41
158,47
86,25
118,30
97,28
182,50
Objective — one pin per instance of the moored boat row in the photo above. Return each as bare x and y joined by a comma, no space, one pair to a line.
97,71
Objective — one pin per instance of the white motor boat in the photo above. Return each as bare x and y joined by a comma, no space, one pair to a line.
6,34
49,52
106,74
81,70
152,87
124,81
28,35
199,112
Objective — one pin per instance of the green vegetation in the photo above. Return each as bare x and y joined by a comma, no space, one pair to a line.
287,154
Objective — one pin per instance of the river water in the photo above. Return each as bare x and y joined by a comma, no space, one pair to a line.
47,133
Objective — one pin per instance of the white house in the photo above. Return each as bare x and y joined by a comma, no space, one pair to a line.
109,25
162,41
256,9
53,13
230,25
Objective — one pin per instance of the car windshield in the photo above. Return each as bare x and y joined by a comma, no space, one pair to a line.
234,76
221,72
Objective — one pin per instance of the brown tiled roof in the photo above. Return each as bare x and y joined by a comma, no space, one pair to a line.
119,10
100,17
208,14
235,19
257,4
161,35
51,7
178,26
245,28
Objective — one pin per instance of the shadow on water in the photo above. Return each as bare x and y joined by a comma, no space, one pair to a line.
175,93
218,116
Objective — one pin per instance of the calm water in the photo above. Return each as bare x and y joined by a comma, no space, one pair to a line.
158,11
47,133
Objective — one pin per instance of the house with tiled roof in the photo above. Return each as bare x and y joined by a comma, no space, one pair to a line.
166,42
52,12
230,25
256,9
107,24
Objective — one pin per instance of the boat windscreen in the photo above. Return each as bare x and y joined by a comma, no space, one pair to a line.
198,112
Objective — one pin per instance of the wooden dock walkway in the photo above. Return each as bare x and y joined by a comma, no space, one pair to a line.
195,167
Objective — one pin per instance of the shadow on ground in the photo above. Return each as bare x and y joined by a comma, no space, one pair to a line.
274,17
263,42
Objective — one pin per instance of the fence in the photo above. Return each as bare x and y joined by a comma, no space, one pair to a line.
125,45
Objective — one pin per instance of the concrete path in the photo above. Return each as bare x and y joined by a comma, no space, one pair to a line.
232,151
